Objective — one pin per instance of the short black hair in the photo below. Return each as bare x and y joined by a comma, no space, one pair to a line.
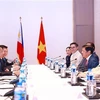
74,44
3,46
91,44
68,48
88,48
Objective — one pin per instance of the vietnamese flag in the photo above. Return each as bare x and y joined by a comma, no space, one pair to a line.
41,50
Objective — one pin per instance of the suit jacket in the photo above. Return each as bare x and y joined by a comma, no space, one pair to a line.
82,67
2,65
92,63
7,64
68,61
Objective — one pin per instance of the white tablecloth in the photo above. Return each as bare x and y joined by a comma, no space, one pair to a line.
44,84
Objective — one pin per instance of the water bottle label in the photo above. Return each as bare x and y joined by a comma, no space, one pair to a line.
73,75
56,68
73,70
52,65
91,77
63,72
17,97
46,61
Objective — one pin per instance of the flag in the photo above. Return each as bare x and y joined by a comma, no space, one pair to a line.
41,50
20,44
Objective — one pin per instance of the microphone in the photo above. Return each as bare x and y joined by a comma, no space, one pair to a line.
73,60
56,57
60,59
57,65
52,65
6,73
14,81
48,60
9,93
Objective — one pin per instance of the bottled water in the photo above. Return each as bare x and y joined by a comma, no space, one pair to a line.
91,84
16,61
94,88
89,73
73,75
19,92
88,80
23,75
56,66
24,66
49,62
46,61
52,64
63,70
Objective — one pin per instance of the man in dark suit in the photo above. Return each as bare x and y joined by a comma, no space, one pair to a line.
1,59
90,59
4,70
94,53
68,53
6,63
2,65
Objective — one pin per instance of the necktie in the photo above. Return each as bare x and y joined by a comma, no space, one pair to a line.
86,64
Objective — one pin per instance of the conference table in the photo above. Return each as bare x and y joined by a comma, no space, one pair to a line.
45,84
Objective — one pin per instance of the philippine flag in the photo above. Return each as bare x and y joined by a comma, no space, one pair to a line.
20,44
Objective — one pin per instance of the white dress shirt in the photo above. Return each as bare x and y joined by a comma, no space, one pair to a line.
76,58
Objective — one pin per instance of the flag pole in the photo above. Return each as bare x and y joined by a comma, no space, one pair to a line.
41,18
20,18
